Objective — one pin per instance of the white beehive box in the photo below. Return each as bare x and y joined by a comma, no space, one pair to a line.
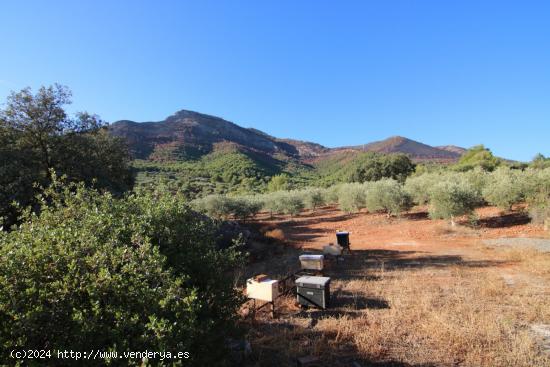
265,290
312,262
334,250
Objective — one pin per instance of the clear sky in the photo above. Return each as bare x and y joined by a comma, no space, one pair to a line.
332,72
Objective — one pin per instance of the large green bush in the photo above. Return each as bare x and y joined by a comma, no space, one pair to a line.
132,274
449,199
389,196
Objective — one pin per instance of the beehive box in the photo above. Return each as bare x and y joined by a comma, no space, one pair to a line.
264,290
312,262
313,291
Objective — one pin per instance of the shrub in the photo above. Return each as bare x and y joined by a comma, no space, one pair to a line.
449,199
351,197
505,187
388,196
139,273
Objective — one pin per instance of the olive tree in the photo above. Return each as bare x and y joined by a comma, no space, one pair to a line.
215,206
538,195
449,199
291,202
389,196
273,202
504,188
313,198
418,187
351,197
245,207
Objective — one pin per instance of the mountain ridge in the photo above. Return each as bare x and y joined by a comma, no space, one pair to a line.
188,134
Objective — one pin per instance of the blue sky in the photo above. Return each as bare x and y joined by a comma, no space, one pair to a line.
332,72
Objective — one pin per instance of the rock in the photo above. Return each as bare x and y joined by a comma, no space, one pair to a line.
239,350
542,332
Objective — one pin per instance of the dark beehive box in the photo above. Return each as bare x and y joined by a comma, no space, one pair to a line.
313,291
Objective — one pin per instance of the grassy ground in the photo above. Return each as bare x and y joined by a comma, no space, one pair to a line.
411,303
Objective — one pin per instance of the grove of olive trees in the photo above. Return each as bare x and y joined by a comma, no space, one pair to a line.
448,194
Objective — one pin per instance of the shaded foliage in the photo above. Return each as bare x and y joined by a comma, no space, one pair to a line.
141,272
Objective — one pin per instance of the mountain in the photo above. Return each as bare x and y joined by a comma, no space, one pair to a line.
452,148
191,135
414,149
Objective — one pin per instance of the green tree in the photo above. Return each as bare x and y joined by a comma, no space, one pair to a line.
313,198
505,188
374,167
477,156
40,137
449,199
351,197
387,195
291,203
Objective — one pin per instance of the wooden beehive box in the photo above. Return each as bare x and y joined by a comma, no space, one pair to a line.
312,262
264,290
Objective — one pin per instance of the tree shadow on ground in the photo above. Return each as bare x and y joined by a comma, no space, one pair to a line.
281,343
416,216
505,220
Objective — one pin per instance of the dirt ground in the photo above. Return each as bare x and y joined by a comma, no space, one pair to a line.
414,292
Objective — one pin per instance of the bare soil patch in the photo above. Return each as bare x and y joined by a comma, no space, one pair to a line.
414,292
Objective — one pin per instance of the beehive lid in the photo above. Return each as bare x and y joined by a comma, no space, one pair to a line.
263,281
311,281
311,257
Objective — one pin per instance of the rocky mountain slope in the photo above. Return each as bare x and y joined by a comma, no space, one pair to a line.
188,134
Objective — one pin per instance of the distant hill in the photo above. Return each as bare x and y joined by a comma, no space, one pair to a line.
190,135
453,148
414,149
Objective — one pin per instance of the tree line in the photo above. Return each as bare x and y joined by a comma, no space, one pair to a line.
448,194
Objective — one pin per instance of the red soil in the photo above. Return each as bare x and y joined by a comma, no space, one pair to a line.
413,231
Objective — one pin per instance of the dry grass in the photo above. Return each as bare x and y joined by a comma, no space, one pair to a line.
386,313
